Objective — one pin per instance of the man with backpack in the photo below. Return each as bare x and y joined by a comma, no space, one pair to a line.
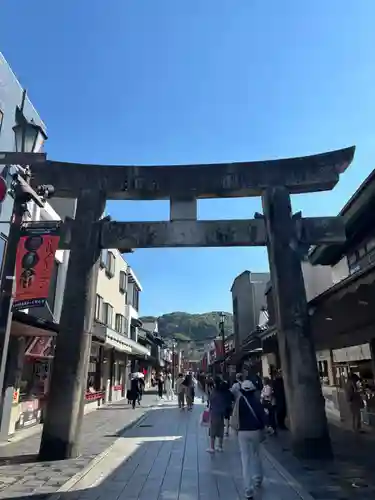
237,385
249,419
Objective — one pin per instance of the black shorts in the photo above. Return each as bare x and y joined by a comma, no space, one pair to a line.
228,413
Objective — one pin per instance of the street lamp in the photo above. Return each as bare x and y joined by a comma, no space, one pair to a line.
174,345
29,138
222,331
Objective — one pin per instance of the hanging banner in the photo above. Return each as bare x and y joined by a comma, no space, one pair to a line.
34,265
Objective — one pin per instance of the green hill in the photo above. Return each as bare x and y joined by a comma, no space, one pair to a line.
196,327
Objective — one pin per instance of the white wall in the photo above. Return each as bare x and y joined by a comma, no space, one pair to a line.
318,279
340,271
109,289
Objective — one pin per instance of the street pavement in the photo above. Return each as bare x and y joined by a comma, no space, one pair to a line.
164,458
350,476
20,473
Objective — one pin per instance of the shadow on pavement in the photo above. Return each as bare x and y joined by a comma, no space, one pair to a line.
18,459
141,438
161,458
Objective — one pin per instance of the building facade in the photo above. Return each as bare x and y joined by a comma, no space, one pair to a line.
115,347
116,351
32,331
340,286
248,297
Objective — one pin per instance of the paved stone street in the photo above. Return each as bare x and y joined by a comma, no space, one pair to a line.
349,477
21,475
164,458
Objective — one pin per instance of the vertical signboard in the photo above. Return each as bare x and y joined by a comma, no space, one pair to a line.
34,265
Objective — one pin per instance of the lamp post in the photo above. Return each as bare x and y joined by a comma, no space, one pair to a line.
222,331
29,138
174,344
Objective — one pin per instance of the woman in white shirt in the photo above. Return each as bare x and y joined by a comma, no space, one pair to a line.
168,387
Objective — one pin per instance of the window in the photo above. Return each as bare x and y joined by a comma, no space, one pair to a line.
103,258
111,264
120,323
135,301
108,314
99,309
122,283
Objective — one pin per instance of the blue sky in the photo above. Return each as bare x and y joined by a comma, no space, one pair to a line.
173,81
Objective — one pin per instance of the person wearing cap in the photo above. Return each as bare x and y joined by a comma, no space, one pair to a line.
252,421
237,385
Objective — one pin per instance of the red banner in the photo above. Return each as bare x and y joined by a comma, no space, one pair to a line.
34,266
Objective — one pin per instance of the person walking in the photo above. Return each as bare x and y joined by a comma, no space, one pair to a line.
267,398
128,388
237,385
135,390
218,404
229,398
168,387
180,390
251,424
354,399
209,386
141,383
189,391
160,382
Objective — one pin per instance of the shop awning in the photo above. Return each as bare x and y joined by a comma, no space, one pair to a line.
344,315
252,348
27,325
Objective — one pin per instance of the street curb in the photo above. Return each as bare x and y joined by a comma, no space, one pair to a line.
290,480
77,477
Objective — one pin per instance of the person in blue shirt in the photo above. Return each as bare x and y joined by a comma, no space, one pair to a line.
218,404
252,420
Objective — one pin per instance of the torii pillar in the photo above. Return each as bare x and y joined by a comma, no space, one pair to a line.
305,402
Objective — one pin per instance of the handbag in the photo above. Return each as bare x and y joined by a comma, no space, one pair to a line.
205,418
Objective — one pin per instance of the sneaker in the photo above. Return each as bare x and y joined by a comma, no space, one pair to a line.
210,450
219,449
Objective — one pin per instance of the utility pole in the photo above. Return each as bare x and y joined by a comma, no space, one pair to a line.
29,137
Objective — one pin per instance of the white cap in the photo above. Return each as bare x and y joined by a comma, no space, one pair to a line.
247,385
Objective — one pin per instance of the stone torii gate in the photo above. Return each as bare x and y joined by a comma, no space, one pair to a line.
282,233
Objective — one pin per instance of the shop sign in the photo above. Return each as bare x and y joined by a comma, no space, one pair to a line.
16,396
40,347
34,265
30,414
353,353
